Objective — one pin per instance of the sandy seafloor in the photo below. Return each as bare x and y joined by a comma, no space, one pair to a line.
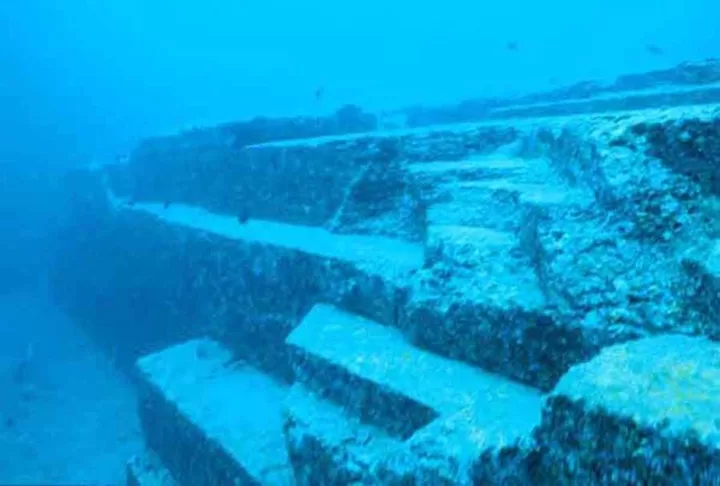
66,415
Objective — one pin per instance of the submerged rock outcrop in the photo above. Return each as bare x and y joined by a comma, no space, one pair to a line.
524,300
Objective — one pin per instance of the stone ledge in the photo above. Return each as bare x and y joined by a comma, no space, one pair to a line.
374,372
702,265
212,421
376,254
629,100
643,412
365,274
328,446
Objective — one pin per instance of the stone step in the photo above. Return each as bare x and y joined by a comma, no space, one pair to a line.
329,445
326,445
375,253
667,96
643,412
503,204
467,246
479,299
306,181
702,265
252,280
611,283
146,469
431,174
373,371
212,421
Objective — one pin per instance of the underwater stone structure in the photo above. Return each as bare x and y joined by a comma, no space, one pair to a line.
686,83
522,301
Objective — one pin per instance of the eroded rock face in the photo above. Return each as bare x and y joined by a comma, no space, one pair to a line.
622,254
601,233
651,215
523,251
686,83
644,412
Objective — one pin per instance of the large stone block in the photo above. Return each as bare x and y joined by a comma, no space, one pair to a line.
611,102
687,83
481,302
370,406
210,420
644,412
157,275
327,446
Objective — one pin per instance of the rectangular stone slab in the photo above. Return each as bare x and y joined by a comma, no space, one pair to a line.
627,100
383,253
329,446
429,174
642,412
366,274
502,204
375,371
212,421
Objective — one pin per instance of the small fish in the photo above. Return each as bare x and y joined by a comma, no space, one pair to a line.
243,217
319,93
22,372
512,46
654,50
166,204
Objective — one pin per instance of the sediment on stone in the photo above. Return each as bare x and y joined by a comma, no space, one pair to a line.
643,412
615,285
315,182
428,175
407,414
702,265
479,300
687,76
504,205
631,174
328,446
212,421
198,272
365,273
370,368
633,100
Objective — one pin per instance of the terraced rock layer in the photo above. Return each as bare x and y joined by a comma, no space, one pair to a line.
369,406
210,420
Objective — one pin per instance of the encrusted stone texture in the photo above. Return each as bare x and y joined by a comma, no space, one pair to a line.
179,441
649,217
578,98
352,185
148,284
645,412
609,233
621,102
191,420
584,272
328,446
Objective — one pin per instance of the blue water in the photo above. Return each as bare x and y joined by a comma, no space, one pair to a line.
82,82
